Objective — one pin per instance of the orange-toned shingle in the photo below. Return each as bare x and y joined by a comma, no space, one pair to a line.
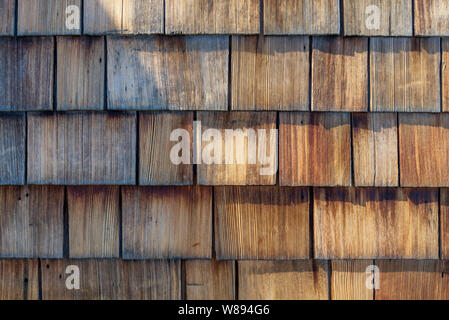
349,280
123,16
375,149
12,148
82,148
93,222
49,17
314,149
31,222
112,279
7,17
212,16
378,18
423,149
372,223
155,148
168,73
270,73
285,280
316,17
405,74
262,223
26,73
340,74
167,222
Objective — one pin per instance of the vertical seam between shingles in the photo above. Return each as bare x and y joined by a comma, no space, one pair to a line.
351,124
55,66
183,280
310,72
230,75
440,254
120,219
16,18
105,74
398,149
311,225
39,278
341,16
441,75
82,18
329,279
261,18
236,280
66,231
25,170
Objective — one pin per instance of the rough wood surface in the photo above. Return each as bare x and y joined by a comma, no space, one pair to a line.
12,148
314,149
413,280
340,74
80,73
283,280
212,17
444,221
82,148
373,223
112,279
93,222
210,280
270,73
7,17
268,223
394,18
348,280
317,17
168,73
155,147
423,149
167,222
375,149
19,280
237,165
405,74
45,17
445,74
31,222
431,18
123,16
26,74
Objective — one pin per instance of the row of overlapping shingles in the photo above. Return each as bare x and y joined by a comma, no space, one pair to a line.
119,224
316,17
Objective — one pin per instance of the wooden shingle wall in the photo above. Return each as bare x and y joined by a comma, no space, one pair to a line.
310,139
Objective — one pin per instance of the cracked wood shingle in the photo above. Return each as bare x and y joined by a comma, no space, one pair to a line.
270,73
305,17
167,222
168,73
19,279
80,148
268,223
377,223
123,16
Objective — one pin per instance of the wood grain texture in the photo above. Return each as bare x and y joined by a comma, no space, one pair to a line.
268,223
26,74
395,18
340,74
93,222
423,149
348,280
373,223
7,17
45,17
431,17
405,74
283,280
445,74
12,148
167,222
375,149
168,73
413,280
155,147
212,17
314,149
19,279
112,279
248,157
317,17
444,222
270,73
210,280
81,148
80,73
123,16
31,222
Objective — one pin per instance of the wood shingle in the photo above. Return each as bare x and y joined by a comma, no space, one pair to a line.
19,279
7,17
431,17
12,148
